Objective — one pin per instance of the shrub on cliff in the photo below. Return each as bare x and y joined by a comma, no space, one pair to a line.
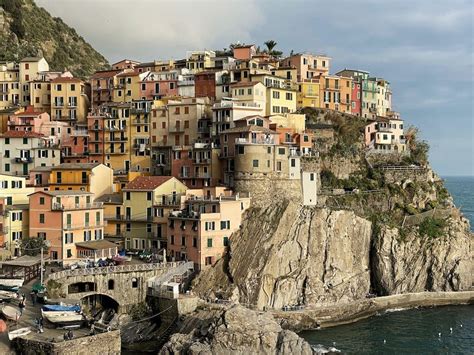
432,227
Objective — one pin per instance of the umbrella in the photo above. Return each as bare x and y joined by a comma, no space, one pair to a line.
3,326
38,287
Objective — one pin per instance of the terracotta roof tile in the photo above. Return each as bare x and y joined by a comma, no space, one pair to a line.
243,84
105,74
22,134
147,182
66,80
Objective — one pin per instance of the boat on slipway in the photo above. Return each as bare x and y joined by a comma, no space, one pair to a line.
11,313
63,318
18,333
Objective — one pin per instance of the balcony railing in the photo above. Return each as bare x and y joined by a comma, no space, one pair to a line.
116,139
79,133
168,200
61,207
176,129
270,140
24,160
69,227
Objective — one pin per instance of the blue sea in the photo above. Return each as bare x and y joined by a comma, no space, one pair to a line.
441,330
462,190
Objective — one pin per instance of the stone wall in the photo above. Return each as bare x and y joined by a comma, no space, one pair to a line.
414,175
105,343
266,188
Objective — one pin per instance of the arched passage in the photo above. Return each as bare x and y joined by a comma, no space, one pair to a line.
97,302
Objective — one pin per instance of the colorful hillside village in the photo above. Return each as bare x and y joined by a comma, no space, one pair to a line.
153,156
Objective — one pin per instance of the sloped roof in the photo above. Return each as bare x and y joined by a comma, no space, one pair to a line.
104,74
147,183
250,128
116,198
22,134
63,79
75,166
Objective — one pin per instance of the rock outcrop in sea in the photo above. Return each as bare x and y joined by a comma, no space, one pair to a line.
238,330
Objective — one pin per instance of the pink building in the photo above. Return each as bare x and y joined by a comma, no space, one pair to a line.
201,231
65,219
157,85
29,120
245,52
308,65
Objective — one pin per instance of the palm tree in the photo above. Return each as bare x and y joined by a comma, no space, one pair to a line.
271,44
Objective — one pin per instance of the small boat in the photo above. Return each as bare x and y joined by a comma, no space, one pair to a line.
121,259
63,318
9,288
18,333
12,282
61,308
7,295
11,313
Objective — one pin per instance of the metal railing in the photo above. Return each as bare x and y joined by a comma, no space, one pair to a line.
114,269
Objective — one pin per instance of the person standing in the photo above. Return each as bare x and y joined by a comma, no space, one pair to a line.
21,305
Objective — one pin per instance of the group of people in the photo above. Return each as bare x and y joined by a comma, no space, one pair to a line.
68,335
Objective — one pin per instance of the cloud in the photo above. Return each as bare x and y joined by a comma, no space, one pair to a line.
147,29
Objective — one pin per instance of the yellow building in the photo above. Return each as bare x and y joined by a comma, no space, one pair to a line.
335,93
10,90
14,196
128,86
147,201
69,101
308,93
114,215
294,121
91,177
197,61
280,94
29,69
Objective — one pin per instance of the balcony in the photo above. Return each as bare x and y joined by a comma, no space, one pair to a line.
199,161
140,121
95,128
115,128
116,152
139,218
24,160
168,200
58,104
79,133
96,152
77,206
116,139
241,141
176,129
70,227
117,217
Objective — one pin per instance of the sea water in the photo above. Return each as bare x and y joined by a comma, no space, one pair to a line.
441,330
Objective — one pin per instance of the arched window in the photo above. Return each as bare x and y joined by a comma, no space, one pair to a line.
134,282
111,284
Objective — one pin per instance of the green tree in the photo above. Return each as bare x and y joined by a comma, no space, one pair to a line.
271,44
32,246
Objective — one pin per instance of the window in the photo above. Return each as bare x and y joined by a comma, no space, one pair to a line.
289,96
209,242
183,240
281,151
97,218
7,154
293,163
127,195
41,200
86,219
226,241
241,149
278,165
134,282
69,253
225,224
25,140
210,226
208,260
269,150
311,177
149,196
41,218
73,87
128,227
7,140
306,138
255,163
68,238
7,167
172,240
110,284
276,94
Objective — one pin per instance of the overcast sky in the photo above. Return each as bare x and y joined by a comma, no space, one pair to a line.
423,47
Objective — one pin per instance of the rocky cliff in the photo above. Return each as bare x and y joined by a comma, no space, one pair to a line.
238,331
392,230
28,30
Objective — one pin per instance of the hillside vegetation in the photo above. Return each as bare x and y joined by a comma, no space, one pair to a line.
29,30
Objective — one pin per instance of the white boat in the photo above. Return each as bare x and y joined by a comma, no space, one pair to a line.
63,318
18,333
7,295
12,282
11,312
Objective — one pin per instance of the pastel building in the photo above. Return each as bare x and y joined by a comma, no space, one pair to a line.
280,94
308,65
385,135
68,220
244,52
308,93
336,93
29,68
10,90
156,85
14,213
25,150
102,86
145,201
88,177
202,230
69,101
